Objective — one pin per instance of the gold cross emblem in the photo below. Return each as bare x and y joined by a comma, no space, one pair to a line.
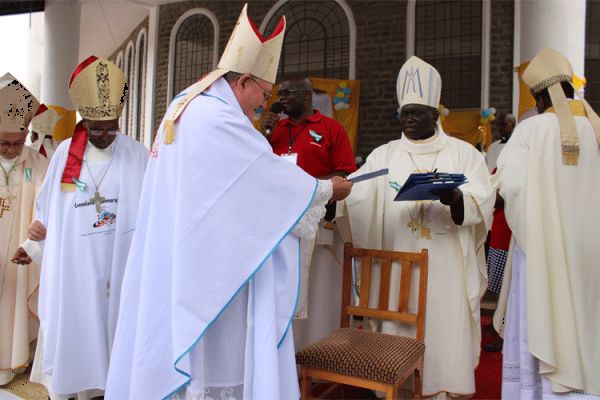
5,205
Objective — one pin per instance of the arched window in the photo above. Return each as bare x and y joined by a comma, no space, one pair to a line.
319,38
119,61
193,50
140,88
448,35
592,53
130,76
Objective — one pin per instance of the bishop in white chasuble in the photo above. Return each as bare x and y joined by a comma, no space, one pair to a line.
453,231
548,177
88,204
212,280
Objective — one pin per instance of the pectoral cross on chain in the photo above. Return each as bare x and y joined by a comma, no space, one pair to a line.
97,199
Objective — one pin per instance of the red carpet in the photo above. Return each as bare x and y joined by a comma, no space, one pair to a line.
488,376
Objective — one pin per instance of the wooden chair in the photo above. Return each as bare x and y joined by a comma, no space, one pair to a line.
360,357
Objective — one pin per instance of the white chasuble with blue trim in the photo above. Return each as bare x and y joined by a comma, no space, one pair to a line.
212,278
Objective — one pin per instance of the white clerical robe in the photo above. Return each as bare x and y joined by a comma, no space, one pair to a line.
18,284
83,262
322,290
553,211
491,157
457,272
212,279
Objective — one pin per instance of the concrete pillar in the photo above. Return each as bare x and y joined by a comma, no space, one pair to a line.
61,50
557,24
35,40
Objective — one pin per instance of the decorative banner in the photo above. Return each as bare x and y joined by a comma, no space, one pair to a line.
526,100
467,125
343,94
66,125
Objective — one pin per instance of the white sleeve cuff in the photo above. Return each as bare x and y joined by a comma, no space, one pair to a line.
308,225
33,249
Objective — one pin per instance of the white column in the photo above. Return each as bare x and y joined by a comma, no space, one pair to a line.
35,40
61,50
557,24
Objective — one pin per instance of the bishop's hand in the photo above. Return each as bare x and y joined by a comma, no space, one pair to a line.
36,231
341,188
21,257
454,199
449,196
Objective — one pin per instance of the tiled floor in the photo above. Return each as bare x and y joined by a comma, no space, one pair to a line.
20,388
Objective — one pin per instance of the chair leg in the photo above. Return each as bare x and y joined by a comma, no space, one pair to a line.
390,393
418,386
305,385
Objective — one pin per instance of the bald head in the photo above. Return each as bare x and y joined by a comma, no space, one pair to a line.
506,124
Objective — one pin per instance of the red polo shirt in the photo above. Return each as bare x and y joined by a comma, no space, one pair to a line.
321,143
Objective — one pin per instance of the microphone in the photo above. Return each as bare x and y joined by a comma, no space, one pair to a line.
276,108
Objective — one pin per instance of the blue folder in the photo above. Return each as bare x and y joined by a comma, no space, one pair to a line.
421,186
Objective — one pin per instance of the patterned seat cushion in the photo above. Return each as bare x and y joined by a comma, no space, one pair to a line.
363,354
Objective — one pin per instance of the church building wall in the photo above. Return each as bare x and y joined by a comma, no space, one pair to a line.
380,52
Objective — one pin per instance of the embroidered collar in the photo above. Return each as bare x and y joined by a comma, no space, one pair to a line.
435,144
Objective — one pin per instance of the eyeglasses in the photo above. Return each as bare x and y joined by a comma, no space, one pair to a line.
99,132
266,93
286,92
7,145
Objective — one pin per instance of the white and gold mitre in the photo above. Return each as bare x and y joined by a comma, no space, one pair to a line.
547,68
98,89
546,71
247,52
418,83
17,105
45,121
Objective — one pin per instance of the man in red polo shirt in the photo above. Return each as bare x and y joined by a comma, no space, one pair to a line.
320,146
316,143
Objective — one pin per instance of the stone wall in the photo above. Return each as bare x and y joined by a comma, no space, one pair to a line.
501,56
380,52
226,12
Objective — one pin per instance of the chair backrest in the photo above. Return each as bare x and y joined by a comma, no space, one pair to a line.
368,258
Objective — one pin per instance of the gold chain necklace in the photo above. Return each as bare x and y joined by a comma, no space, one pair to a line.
417,222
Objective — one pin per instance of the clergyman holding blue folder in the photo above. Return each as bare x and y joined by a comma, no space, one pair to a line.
453,228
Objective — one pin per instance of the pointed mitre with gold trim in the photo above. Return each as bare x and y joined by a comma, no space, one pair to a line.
17,105
44,121
418,83
247,52
546,71
98,89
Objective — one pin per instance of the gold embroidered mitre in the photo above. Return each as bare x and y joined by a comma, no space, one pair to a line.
44,121
546,71
17,105
98,89
247,52
418,83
